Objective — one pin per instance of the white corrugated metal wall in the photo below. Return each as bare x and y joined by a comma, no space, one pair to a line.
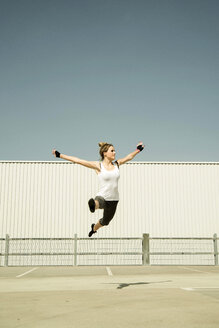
49,199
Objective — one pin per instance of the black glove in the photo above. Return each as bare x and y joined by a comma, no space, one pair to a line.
57,153
140,146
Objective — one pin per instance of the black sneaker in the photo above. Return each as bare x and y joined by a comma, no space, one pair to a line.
91,204
92,230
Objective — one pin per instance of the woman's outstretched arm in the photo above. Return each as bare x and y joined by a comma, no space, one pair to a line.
90,164
130,156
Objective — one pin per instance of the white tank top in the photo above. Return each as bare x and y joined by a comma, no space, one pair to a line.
108,181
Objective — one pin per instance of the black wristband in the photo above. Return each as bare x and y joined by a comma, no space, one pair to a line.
140,147
57,153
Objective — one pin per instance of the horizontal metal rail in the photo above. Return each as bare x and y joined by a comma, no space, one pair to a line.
182,253
110,253
115,238
83,253
182,238
72,239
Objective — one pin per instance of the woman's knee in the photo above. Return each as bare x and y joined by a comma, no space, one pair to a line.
100,202
97,205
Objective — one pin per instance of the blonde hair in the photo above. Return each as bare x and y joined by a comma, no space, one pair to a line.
104,146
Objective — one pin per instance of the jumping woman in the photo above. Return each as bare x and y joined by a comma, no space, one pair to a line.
108,174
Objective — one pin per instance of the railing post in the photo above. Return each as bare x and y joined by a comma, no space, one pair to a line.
75,249
215,249
6,249
145,249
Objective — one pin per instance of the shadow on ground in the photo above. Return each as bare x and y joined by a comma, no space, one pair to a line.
123,285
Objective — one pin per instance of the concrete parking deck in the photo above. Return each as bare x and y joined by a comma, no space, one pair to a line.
109,297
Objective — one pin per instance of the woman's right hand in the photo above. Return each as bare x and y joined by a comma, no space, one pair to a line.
55,153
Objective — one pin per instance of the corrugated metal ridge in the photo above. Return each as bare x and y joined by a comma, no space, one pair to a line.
130,163
176,163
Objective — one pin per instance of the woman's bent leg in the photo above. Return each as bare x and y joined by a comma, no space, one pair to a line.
97,226
109,212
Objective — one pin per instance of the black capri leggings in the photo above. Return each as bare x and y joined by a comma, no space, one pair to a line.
109,207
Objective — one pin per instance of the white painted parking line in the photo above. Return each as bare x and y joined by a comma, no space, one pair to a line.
192,289
196,270
25,273
205,288
109,271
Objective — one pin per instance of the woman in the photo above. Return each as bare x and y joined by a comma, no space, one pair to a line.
108,173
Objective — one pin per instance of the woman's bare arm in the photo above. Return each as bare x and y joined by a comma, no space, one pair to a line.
130,156
90,164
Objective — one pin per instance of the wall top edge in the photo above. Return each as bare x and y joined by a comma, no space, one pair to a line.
131,163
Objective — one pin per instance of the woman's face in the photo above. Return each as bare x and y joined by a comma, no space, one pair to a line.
111,153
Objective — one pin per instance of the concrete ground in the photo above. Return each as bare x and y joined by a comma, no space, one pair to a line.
109,297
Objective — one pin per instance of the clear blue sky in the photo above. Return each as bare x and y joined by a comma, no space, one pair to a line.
73,73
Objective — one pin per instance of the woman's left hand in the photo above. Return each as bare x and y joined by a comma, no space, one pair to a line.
140,146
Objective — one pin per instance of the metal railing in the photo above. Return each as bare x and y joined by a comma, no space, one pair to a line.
108,251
